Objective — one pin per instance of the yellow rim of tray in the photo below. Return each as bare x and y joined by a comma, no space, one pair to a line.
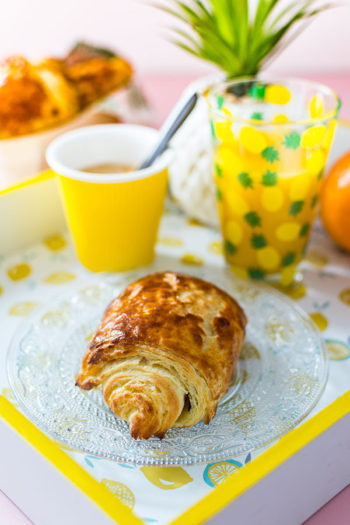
221,495
216,500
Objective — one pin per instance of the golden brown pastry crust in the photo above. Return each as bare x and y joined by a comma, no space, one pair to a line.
34,97
165,352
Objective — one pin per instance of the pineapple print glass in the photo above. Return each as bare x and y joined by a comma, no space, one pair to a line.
271,141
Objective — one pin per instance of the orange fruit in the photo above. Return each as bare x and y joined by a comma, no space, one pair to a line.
335,202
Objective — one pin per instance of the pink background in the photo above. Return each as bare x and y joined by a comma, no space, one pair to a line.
137,30
38,27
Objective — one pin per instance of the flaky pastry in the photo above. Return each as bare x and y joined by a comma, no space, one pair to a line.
165,352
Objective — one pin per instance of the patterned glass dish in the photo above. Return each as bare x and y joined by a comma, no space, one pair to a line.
280,377
271,141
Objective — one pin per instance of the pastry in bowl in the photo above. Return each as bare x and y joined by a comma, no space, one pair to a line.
165,352
35,97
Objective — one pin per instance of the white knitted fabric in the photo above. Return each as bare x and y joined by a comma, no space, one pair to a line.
191,172
191,178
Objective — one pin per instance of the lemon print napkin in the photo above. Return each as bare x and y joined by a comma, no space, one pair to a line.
158,494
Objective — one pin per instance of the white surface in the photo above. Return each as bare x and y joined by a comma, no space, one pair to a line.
30,214
298,487
39,489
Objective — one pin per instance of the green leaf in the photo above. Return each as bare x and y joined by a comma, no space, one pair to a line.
292,140
252,219
218,194
304,230
238,36
246,180
270,154
212,129
314,201
269,178
319,176
288,259
220,101
257,116
256,273
257,91
258,241
296,207
230,248
263,10
218,170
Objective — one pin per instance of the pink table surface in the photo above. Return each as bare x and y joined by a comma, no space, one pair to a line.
163,91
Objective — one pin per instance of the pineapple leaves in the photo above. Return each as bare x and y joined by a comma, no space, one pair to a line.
214,49
234,35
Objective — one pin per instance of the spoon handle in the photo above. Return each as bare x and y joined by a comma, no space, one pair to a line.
169,129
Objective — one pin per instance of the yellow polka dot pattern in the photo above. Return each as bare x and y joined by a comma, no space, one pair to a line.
287,275
170,241
192,259
229,160
320,320
215,247
316,106
22,308
268,182
272,199
315,161
299,187
253,140
236,203
19,271
276,94
288,231
313,136
55,243
234,232
59,278
344,296
269,258
223,131
280,119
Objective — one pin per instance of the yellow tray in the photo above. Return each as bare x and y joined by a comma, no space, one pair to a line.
273,488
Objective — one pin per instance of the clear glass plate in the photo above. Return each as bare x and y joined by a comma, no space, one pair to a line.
280,377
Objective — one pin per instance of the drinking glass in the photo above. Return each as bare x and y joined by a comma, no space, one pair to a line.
271,141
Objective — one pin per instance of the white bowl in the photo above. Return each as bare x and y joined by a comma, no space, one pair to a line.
22,157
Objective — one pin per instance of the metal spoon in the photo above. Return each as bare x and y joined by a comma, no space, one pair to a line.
176,118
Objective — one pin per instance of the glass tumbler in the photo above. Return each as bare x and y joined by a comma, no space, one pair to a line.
271,141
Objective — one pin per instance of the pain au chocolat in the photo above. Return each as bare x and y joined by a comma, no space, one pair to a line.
165,352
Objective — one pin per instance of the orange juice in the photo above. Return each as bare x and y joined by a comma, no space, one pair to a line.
267,178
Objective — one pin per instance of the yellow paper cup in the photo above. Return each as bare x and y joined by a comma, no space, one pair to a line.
113,218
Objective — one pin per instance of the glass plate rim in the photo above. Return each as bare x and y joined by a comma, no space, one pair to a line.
109,279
